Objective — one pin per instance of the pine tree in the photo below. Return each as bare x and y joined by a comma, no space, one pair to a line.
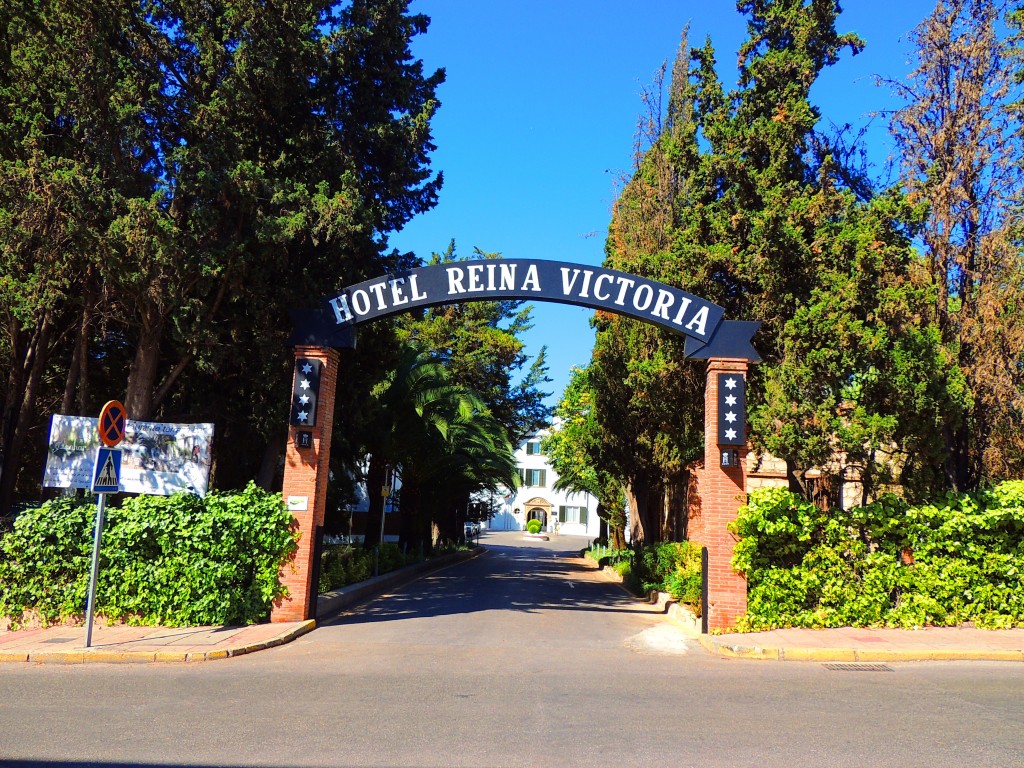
208,166
960,142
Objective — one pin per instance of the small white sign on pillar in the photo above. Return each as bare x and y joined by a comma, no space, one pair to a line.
298,503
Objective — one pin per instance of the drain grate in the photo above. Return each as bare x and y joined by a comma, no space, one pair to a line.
859,668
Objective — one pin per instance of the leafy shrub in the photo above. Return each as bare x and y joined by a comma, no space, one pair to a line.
534,526
625,569
177,560
886,564
672,567
45,560
389,557
343,564
359,566
685,581
604,555
333,562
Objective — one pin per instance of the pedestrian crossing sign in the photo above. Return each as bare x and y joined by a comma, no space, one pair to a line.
106,477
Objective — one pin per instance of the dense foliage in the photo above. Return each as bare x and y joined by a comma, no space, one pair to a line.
343,564
728,202
885,564
959,135
176,561
671,567
480,344
444,442
174,177
893,340
575,449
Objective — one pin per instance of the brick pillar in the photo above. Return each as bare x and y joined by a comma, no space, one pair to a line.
305,477
722,492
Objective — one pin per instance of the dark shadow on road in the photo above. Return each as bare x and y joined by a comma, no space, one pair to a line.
506,578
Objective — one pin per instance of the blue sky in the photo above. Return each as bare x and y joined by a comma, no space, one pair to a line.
539,111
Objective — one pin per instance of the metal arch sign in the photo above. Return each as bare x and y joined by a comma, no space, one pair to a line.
608,290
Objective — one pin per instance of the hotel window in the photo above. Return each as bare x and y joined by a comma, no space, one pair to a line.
533,477
572,515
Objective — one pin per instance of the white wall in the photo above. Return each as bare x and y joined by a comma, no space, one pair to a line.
515,508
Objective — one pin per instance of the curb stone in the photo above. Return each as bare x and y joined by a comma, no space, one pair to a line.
106,656
686,620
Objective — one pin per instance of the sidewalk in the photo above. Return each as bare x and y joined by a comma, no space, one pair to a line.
859,644
849,644
124,644
118,644
66,644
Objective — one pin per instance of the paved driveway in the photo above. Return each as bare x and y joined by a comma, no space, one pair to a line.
521,657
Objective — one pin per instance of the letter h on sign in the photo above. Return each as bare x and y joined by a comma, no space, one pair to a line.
305,392
732,409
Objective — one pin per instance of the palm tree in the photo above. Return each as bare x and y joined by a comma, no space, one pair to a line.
443,441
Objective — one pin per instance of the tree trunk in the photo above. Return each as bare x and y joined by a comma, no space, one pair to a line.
610,532
666,524
636,526
415,525
449,523
75,381
266,478
677,495
618,537
408,501
12,401
602,530
138,400
83,372
958,459
645,521
19,418
795,484
645,501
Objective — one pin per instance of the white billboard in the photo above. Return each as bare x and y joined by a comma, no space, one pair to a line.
158,459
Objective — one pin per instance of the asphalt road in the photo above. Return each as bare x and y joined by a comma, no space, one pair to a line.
521,657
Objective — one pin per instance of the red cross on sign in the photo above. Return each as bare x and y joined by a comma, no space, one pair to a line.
112,422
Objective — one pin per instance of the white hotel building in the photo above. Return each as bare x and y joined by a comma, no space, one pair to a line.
572,514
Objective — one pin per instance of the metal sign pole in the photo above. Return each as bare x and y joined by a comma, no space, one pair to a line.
101,507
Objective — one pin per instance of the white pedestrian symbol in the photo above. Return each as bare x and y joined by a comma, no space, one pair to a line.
108,475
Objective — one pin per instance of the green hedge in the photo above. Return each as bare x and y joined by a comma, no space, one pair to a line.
177,560
886,564
672,567
344,564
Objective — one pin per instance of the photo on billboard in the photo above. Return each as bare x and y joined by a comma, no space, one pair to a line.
157,459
